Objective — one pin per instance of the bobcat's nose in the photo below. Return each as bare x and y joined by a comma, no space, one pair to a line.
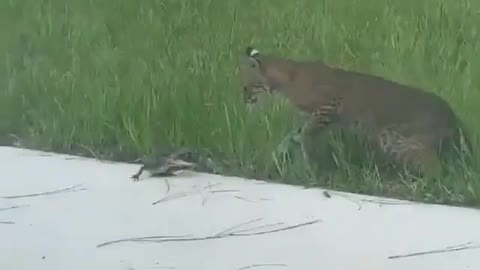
252,100
248,96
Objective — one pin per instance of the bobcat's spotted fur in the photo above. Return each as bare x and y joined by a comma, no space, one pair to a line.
410,125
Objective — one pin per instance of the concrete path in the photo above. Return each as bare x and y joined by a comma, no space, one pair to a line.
63,212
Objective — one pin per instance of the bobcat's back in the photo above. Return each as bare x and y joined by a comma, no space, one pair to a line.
376,103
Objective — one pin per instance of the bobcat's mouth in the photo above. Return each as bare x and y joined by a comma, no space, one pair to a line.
250,94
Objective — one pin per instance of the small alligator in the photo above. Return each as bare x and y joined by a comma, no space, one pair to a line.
170,163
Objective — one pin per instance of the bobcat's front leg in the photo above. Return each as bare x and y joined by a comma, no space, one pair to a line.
314,131
286,148
309,135
321,118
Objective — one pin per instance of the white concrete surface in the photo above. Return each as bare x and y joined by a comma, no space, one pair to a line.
63,230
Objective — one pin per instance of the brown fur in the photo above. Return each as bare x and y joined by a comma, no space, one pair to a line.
409,124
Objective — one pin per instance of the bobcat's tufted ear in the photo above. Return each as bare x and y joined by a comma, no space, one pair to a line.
251,52
249,63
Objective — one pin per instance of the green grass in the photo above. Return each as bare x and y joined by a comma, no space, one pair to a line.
123,77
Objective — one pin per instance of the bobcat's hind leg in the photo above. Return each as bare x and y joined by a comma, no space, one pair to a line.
414,152
429,163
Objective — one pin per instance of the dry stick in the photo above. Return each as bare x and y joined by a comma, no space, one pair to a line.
257,182
164,239
243,199
240,232
224,191
237,234
260,227
71,189
436,251
185,194
237,226
262,265
172,197
167,183
14,207
386,202
177,195
44,155
204,199
348,199
252,201
94,155
210,185
139,239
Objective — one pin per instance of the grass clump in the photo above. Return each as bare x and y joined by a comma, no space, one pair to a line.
123,77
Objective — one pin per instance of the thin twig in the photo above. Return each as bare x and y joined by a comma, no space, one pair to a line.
17,140
185,194
14,207
257,182
7,222
260,227
199,192
69,189
44,154
224,191
386,202
205,198
262,265
140,239
75,158
89,150
348,199
436,251
252,201
238,226
172,197
210,185
240,232
167,184
164,239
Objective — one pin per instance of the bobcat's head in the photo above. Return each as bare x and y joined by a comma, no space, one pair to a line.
253,76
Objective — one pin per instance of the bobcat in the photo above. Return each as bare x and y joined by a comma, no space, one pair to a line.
412,126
